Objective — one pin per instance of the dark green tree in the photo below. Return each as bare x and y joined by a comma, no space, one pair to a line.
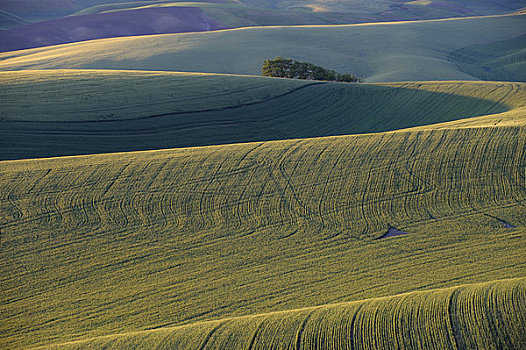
280,67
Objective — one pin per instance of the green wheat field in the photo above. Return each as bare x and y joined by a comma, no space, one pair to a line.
161,195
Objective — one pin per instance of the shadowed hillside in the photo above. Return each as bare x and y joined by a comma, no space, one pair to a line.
8,20
39,10
116,111
263,12
118,24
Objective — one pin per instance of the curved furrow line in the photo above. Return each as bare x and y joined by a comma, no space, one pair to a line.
11,210
512,87
244,201
518,178
255,334
120,172
205,341
323,196
168,114
223,207
306,212
25,183
365,189
232,190
300,330
206,196
284,206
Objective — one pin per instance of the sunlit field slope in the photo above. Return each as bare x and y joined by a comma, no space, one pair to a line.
103,244
481,316
109,111
378,52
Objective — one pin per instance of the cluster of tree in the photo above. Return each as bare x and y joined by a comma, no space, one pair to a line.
281,67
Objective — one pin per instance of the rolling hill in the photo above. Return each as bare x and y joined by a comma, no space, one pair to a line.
441,319
261,12
378,52
162,197
111,111
373,10
41,10
103,244
107,25
60,22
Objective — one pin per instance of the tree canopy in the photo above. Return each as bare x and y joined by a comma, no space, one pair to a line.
280,67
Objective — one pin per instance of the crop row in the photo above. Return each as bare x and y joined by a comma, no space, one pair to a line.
103,244
358,185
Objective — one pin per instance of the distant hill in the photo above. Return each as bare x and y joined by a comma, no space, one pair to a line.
8,20
40,10
228,13
500,60
377,52
348,11
107,25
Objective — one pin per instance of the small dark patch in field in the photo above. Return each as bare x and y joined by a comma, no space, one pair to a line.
502,222
393,232
505,224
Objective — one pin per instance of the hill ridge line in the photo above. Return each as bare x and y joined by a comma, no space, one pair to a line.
31,50
414,129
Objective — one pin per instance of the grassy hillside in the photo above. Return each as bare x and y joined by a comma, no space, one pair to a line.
215,211
377,52
105,244
109,111
451,318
